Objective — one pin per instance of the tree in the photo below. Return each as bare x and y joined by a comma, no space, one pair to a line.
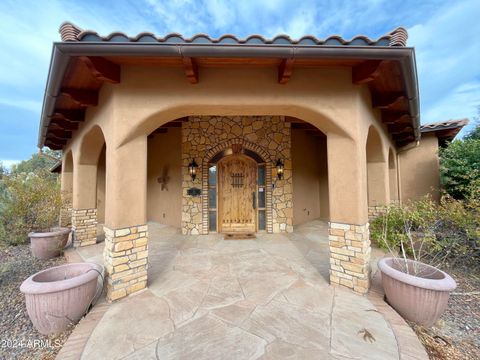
460,166
38,161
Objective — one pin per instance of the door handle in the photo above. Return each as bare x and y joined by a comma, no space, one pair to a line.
254,197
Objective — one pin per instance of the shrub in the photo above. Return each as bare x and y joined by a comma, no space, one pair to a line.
445,233
29,202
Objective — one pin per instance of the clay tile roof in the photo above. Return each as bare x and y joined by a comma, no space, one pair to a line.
444,130
71,32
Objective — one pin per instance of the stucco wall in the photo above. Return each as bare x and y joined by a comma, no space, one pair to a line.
419,170
101,178
310,178
165,160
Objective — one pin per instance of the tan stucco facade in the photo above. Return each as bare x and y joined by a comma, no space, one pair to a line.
420,169
335,177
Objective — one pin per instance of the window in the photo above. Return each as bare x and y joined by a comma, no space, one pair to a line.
261,192
212,198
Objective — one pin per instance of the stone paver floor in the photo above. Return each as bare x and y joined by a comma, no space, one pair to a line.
267,298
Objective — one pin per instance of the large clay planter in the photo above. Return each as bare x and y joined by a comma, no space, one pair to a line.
60,296
47,245
420,298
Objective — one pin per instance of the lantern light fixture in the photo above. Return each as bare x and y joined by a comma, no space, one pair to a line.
192,169
280,169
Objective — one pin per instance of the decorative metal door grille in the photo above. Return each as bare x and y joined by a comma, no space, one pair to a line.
237,180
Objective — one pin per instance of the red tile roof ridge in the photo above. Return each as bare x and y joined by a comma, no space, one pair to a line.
71,32
441,124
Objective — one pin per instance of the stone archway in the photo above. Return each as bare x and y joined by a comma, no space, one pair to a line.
232,146
268,136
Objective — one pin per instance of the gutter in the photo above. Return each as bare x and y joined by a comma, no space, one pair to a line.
63,51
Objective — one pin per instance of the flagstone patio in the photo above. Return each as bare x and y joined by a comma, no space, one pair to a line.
267,298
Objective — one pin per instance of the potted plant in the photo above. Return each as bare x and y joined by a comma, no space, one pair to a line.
419,292
59,296
48,239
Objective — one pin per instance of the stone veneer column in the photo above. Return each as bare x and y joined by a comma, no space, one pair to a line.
84,226
349,255
125,256
65,215
376,211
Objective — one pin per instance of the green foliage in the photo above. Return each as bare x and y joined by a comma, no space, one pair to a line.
29,202
460,168
37,162
448,232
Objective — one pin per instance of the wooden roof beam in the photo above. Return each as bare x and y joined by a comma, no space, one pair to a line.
191,69
366,71
399,129
60,134
285,70
53,145
102,69
81,97
73,116
386,100
62,124
396,117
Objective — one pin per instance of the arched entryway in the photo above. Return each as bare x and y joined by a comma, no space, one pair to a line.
377,176
89,188
237,191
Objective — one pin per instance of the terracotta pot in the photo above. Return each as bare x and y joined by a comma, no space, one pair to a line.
47,245
421,298
60,296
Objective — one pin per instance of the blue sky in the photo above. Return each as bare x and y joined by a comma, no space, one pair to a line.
444,33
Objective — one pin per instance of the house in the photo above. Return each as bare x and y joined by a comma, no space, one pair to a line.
234,136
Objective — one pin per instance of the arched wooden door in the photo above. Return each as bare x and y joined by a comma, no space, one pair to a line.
237,175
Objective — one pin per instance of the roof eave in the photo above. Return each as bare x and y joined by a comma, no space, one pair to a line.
62,51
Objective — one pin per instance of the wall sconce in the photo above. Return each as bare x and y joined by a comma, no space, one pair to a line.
192,169
280,167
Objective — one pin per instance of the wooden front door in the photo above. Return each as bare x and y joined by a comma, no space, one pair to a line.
237,185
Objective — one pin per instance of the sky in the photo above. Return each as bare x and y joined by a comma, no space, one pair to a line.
445,35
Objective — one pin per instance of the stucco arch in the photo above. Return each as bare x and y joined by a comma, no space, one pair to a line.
374,145
325,123
377,175
91,146
223,147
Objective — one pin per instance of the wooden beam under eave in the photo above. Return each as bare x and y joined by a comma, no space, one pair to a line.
74,116
102,69
191,69
62,124
396,117
366,71
285,70
60,133
399,129
52,145
81,97
387,100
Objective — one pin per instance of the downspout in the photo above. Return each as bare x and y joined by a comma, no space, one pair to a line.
401,150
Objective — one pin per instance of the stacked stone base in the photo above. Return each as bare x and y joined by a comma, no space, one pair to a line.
376,211
84,226
349,256
125,257
65,219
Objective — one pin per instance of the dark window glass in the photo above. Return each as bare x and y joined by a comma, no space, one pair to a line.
261,197
261,175
261,220
212,221
212,198
212,175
